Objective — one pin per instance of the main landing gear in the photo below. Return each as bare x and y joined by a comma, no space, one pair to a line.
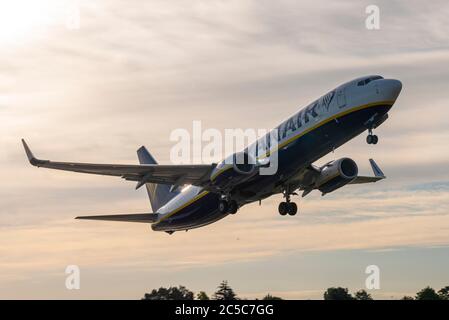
371,138
225,206
287,207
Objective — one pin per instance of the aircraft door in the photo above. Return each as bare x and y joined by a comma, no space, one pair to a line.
341,98
376,87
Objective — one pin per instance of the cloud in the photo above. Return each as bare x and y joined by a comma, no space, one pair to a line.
375,220
133,73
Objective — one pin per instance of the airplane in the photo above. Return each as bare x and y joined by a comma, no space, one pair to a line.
185,197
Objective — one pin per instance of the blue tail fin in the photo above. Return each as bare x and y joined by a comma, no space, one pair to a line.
159,194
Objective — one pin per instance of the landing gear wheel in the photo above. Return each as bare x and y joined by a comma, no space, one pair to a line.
371,138
292,208
283,208
223,206
233,207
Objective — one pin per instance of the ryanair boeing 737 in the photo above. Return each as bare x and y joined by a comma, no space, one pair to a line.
216,190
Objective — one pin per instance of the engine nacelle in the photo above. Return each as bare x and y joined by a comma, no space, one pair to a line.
233,170
243,163
336,174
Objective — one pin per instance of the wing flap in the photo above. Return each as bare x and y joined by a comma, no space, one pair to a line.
363,179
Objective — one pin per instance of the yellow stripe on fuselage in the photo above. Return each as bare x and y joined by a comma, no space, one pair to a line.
300,134
338,115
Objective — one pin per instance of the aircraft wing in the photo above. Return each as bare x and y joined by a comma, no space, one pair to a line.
310,173
363,179
197,175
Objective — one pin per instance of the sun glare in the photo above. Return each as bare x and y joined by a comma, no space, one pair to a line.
22,20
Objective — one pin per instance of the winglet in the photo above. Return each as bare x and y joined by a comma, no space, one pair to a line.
31,158
376,169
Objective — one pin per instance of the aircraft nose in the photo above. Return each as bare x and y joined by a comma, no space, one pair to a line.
391,88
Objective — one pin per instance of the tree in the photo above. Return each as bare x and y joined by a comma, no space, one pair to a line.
362,295
172,293
270,297
427,293
407,298
444,293
338,293
225,292
202,296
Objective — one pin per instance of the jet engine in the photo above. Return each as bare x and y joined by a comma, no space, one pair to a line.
243,163
336,174
233,171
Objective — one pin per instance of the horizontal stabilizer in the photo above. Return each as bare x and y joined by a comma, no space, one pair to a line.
133,217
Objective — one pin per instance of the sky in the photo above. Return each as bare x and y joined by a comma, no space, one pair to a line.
127,73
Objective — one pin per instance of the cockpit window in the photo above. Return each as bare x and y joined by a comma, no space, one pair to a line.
368,80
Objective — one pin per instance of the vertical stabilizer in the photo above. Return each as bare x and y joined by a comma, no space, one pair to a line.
159,194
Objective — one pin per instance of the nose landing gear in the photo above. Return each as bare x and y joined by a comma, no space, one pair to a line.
371,138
